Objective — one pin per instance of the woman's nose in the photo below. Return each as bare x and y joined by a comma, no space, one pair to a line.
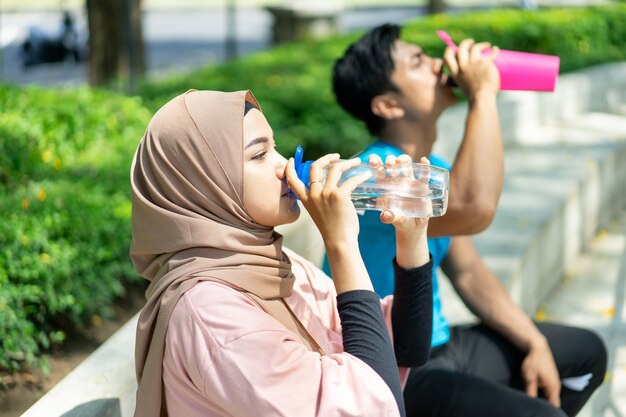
280,166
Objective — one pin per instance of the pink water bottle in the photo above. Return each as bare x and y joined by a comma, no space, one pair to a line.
521,70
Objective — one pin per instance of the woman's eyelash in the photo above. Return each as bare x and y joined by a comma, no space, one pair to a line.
260,155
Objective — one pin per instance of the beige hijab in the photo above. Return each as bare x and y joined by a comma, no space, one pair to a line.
189,224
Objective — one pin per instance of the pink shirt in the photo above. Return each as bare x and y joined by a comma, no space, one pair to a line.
224,356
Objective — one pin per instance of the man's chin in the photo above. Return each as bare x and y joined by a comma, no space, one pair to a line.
446,100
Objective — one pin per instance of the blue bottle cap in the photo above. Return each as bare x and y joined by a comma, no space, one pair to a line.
303,169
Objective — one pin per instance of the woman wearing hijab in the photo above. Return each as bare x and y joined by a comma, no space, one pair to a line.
237,325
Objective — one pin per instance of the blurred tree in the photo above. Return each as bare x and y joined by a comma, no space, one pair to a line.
528,4
231,30
436,6
115,41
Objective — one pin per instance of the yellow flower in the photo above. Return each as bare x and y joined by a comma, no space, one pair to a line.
25,240
25,203
44,258
96,321
609,312
46,156
41,195
57,164
541,315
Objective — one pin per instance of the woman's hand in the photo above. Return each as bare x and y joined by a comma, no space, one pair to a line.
334,215
329,205
411,232
403,165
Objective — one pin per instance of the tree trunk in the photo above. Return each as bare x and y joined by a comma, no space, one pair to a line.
436,6
115,40
230,47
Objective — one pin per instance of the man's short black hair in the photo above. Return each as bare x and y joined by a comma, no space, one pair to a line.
364,72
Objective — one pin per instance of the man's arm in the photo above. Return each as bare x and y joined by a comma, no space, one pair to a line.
481,290
476,176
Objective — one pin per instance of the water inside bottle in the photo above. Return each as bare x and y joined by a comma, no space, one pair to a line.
401,205
406,198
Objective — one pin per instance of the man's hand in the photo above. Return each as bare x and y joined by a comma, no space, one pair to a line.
474,73
539,371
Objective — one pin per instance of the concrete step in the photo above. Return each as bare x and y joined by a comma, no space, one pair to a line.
583,129
555,198
103,385
592,295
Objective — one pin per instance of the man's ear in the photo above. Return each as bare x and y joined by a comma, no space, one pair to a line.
387,107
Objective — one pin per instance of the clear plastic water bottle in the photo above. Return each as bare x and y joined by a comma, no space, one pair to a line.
416,191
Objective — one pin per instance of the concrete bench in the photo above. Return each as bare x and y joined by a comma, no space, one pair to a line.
564,179
103,385
297,20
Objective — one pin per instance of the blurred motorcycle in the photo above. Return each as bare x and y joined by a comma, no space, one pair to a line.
40,47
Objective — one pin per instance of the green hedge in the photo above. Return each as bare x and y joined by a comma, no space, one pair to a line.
292,82
64,213
65,156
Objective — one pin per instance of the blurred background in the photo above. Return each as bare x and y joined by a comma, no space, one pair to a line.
175,35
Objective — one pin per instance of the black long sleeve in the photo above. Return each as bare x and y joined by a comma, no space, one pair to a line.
365,336
412,314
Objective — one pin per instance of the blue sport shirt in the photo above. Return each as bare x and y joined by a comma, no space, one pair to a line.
377,243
